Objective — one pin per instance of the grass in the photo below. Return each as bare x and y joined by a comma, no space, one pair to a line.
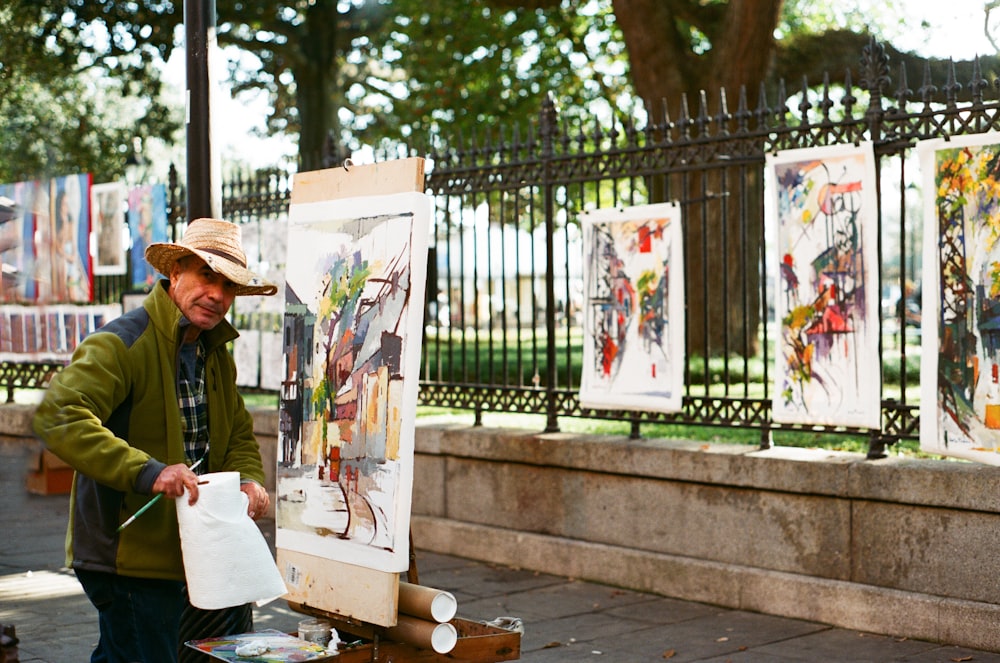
706,434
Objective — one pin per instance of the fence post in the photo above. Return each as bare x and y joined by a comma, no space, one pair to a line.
874,77
547,130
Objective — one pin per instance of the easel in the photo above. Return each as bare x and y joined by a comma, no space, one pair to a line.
358,600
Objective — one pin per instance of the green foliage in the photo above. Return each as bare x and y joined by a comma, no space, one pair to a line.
460,70
59,112
342,74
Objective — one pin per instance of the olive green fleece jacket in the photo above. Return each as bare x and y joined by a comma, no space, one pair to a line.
112,414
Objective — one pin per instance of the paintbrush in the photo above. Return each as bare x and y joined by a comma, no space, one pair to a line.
145,507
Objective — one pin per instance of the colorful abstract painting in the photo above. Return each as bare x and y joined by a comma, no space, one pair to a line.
354,298
633,351
824,211
960,343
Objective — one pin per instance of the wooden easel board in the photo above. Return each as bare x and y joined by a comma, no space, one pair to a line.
333,587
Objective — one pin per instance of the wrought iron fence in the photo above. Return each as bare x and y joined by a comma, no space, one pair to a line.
505,329
503,312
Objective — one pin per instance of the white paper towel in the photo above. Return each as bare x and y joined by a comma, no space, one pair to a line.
226,559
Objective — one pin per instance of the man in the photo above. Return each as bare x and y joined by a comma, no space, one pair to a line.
144,398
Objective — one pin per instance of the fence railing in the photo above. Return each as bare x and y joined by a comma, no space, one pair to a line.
509,338
503,313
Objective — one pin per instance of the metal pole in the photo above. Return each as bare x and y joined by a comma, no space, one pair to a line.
204,199
203,185
548,132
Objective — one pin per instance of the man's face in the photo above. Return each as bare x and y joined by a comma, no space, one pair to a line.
202,295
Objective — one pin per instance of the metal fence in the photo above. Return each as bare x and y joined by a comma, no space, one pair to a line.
503,313
505,323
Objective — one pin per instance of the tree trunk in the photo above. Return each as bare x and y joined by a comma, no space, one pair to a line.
315,85
723,224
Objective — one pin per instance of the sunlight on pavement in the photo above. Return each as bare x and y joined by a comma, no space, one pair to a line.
38,585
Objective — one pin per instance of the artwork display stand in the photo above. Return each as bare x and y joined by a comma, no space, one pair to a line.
357,600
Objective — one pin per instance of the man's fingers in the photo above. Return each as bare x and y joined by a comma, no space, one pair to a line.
193,490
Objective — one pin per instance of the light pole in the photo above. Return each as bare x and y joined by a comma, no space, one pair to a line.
204,189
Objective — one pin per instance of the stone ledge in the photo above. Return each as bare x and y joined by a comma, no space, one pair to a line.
924,482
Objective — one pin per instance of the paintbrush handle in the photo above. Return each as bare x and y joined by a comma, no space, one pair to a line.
142,510
145,507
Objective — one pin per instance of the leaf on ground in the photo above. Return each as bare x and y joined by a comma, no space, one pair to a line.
670,653
552,645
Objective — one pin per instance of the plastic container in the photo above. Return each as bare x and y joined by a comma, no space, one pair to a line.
315,630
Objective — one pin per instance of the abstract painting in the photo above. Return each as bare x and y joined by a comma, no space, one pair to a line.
633,350
354,297
107,204
824,212
960,342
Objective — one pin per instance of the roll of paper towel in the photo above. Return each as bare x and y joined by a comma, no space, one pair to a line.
226,559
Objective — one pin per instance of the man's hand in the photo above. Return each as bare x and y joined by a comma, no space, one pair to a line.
174,479
259,500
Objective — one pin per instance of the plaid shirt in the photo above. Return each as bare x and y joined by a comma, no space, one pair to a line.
191,399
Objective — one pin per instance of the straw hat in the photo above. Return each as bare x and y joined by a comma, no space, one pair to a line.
217,242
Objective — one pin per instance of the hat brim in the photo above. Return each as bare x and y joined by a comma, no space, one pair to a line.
162,257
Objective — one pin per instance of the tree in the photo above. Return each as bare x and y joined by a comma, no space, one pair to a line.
58,115
678,47
465,70
338,72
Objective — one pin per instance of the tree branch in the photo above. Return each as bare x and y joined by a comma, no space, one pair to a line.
834,52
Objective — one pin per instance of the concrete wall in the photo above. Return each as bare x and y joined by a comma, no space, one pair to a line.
902,547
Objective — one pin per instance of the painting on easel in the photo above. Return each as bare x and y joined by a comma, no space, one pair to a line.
354,299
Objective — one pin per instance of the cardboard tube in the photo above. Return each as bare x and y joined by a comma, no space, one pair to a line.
435,605
442,638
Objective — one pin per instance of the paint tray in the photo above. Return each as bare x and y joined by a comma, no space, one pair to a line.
281,647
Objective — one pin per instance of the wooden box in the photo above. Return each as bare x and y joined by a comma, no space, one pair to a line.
477,643
49,475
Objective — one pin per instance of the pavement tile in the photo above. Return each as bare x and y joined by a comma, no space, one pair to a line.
831,643
565,620
658,610
562,599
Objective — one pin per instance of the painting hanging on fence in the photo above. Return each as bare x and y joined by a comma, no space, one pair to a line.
354,299
960,342
50,332
107,204
147,222
258,318
633,349
825,215
17,202
65,242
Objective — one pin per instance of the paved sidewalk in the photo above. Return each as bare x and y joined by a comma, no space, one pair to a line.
564,620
